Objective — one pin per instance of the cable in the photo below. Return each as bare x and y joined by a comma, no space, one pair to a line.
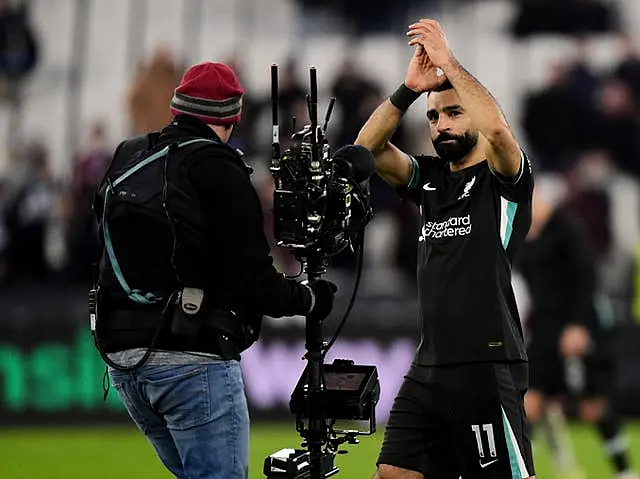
352,301
147,353
165,192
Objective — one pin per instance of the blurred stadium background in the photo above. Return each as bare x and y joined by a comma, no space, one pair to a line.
76,76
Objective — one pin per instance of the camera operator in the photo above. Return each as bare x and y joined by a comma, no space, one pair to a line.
185,278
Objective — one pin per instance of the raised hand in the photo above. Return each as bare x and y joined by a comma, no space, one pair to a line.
430,35
422,74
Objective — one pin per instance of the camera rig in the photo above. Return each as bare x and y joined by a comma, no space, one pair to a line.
321,203
321,206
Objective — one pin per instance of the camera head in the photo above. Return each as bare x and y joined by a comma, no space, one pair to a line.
321,202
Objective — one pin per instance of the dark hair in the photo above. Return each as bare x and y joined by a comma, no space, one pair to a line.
444,87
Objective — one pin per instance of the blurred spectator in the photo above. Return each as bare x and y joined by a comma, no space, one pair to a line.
18,48
566,332
90,165
628,70
292,97
607,201
356,97
243,136
589,200
386,16
618,129
582,81
557,120
27,217
151,92
569,17
319,17
17,170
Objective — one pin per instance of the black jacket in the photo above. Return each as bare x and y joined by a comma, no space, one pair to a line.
232,265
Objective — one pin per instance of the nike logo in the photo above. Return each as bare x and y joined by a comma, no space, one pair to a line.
426,187
487,463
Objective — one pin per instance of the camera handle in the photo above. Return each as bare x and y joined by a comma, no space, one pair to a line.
316,434
312,461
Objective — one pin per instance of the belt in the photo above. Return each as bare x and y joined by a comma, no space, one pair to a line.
225,321
221,331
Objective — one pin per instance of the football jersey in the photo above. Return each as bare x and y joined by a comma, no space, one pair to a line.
473,221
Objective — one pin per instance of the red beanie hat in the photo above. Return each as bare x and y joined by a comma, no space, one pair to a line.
210,92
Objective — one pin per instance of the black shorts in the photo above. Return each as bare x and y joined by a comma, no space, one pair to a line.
460,421
553,375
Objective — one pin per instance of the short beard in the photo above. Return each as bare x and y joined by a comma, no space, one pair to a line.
454,152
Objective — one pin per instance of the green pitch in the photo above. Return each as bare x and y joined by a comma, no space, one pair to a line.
122,453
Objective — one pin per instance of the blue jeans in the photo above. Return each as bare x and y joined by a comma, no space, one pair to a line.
195,416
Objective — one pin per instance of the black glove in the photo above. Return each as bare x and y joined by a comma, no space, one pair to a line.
323,294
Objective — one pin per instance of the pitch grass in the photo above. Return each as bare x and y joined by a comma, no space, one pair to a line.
122,453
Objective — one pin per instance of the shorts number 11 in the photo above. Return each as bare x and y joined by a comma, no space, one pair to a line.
488,428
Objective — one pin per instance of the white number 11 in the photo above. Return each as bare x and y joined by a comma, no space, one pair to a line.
488,428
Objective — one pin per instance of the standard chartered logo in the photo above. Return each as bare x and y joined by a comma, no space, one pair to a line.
454,226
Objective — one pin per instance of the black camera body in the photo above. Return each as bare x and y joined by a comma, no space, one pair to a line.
301,192
320,206
312,204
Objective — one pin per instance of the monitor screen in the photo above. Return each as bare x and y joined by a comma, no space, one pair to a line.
344,381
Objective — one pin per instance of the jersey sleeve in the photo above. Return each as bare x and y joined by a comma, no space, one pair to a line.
518,189
421,172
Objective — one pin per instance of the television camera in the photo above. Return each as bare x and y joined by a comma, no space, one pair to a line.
321,207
